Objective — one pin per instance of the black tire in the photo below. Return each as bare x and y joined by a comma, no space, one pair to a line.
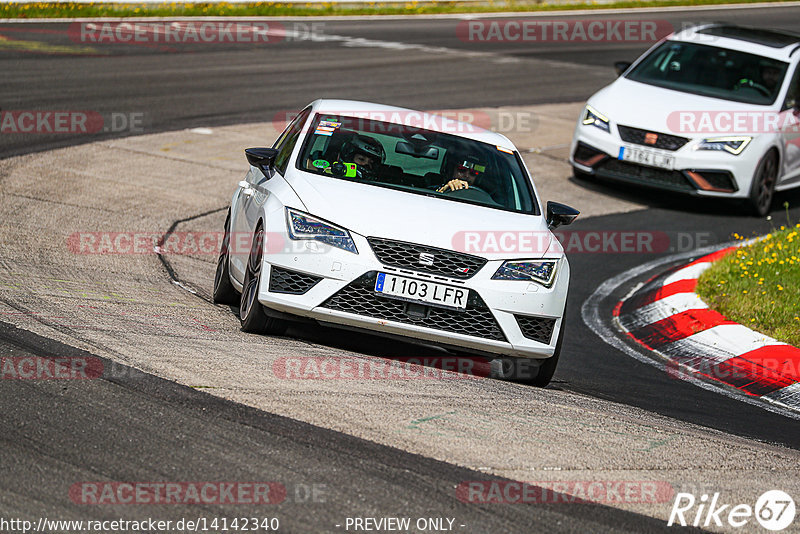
251,313
548,368
525,369
224,292
762,191
580,175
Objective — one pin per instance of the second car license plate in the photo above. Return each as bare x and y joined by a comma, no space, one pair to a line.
653,158
419,290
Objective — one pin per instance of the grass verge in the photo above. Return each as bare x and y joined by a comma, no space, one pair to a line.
759,285
31,10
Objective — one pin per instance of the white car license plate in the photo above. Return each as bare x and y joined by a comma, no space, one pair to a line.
419,290
653,158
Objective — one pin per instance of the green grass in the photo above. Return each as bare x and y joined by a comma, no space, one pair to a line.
72,10
759,285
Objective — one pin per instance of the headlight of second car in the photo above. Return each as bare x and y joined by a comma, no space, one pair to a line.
304,226
541,271
734,145
593,117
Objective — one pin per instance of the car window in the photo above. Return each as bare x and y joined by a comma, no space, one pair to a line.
794,90
417,161
287,140
712,71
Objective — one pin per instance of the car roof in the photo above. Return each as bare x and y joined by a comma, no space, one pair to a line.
760,41
404,116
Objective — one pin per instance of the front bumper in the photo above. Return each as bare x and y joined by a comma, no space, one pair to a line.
696,172
503,317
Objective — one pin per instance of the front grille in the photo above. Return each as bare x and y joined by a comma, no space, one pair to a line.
673,180
408,255
663,141
536,328
359,297
286,281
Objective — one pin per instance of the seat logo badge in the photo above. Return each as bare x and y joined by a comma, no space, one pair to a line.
650,138
426,259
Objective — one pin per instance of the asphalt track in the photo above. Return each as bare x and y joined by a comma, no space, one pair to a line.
218,85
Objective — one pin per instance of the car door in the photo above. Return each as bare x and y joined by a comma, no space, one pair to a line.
790,131
253,193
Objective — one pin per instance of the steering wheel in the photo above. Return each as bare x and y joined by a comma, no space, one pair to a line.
472,193
747,82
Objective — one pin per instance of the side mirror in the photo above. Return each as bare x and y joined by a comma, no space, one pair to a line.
560,214
262,158
621,66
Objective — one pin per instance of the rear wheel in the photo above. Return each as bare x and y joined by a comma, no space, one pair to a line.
763,188
224,292
251,312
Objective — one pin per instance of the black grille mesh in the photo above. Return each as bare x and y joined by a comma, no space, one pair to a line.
674,180
536,328
286,281
360,298
407,255
664,141
584,152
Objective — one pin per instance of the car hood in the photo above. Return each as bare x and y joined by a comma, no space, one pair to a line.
374,211
656,109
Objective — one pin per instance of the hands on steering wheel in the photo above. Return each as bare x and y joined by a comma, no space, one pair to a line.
747,82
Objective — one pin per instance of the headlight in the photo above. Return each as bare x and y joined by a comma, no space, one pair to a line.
542,271
594,117
304,226
734,145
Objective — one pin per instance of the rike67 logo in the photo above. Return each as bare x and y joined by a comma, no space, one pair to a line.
774,510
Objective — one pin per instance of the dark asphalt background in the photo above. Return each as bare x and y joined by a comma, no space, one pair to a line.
52,433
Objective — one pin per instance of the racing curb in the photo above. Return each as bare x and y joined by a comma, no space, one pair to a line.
668,318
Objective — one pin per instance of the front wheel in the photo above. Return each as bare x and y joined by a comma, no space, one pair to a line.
525,369
251,313
763,188
580,175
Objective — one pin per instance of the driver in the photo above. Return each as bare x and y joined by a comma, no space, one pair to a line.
366,152
771,76
466,172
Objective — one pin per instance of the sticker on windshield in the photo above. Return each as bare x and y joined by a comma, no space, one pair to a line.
327,127
320,164
324,131
503,149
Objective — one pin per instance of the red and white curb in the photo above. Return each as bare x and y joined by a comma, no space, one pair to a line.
666,317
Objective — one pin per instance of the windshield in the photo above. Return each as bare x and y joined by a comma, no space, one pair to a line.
417,161
712,71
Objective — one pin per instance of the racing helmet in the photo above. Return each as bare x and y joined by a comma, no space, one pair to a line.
361,144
